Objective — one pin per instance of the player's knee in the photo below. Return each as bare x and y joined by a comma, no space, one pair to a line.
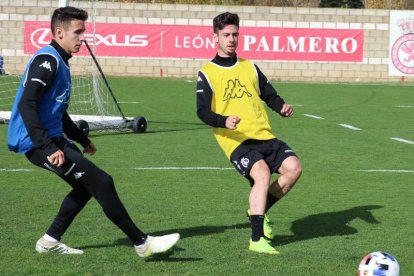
260,173
292,169
107,182
297,170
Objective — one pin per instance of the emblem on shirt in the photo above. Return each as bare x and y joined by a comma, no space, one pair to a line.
46,65
235,90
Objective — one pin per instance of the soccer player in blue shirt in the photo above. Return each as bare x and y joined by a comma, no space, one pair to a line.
41,128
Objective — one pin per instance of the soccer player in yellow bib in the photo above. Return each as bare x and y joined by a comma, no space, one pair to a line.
230,92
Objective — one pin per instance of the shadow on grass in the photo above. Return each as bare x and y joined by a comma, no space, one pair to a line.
310,227
327,224
184,233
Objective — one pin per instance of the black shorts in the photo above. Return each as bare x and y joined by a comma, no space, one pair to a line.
273,152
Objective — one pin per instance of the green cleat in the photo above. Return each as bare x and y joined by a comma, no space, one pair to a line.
267,226
262,246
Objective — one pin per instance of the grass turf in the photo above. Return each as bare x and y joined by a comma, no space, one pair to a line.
336,214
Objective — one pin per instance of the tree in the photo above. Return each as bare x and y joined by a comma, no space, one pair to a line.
355,4
330,4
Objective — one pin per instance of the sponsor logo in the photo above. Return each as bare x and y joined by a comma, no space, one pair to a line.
178,41
46,65
402,52
42,36
235,90
78,175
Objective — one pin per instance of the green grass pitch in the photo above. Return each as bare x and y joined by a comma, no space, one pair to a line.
355,195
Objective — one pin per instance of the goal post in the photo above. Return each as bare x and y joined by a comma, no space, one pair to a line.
92,100
63,3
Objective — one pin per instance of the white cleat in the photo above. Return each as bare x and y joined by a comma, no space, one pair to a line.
44,246
154,245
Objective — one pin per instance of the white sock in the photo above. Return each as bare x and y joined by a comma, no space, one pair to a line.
49,238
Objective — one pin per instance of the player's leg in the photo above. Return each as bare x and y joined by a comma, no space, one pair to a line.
260,173
290,171
101,186
249,163
72,204
284,161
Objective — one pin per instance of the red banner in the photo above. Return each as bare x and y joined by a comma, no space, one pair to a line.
196,42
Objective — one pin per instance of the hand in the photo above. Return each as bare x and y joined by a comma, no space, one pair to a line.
287,110
57,159
90,149
232,121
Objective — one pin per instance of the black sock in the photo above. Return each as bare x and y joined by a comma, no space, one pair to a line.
271,200
257,226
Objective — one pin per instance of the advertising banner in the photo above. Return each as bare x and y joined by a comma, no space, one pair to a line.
196,42
401,43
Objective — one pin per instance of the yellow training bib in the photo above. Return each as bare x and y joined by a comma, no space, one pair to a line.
236,92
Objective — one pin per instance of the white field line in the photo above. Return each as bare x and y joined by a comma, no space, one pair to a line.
16,170
107,102
206,168
405,106
182,168
349,127
388,171
402,140
313,116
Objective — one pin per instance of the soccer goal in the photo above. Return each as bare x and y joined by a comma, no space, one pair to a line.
93,103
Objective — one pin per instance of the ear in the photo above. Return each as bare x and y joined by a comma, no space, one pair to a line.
59,32
215,37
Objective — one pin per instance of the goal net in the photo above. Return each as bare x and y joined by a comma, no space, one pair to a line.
92,99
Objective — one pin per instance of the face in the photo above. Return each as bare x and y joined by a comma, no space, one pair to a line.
71,38
227,40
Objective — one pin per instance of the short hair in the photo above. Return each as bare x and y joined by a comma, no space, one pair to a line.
63,16
224,19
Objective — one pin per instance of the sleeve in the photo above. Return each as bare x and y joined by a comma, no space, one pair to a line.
40,76
268,94
73,132
204,96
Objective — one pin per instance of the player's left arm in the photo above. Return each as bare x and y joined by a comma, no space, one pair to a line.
269,95
74,133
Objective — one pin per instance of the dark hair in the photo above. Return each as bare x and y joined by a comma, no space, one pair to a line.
63,16
224,19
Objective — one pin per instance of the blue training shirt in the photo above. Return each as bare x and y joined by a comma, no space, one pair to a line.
51,108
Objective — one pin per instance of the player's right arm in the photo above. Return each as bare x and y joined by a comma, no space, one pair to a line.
204,97
39,79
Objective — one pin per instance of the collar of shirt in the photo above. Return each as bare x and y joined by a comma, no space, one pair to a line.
225,61
60,50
